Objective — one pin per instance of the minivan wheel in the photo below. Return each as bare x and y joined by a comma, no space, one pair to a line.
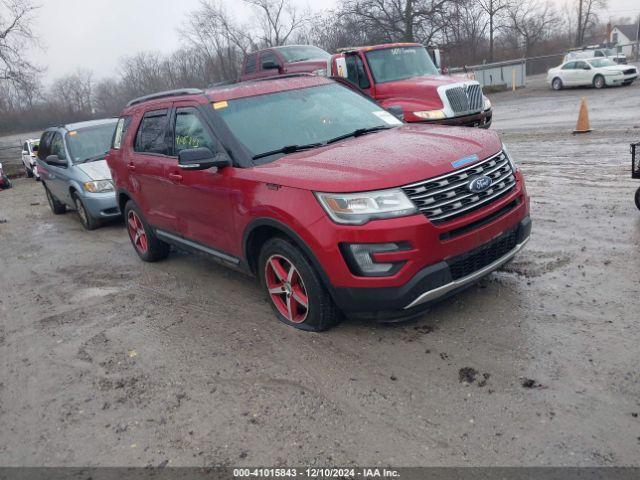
28,172
294,288
57,207
86,219
598,81
556,84
148,247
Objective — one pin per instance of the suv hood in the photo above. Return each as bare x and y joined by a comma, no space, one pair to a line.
97,170
390,158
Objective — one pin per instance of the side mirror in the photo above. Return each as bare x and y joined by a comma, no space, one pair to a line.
56,161
24,152
586,68
270,65
201,159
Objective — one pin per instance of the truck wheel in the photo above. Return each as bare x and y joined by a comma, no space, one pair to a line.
148,247
598,81
638,198
57,207
556,84
87,220
295,290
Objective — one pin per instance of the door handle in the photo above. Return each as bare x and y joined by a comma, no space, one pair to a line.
176,177
131,167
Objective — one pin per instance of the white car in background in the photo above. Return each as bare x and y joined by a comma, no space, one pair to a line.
29,157
610,53
597,72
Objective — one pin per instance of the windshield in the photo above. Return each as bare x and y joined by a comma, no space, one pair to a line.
391,64
300,53
313,115
602,62
86,143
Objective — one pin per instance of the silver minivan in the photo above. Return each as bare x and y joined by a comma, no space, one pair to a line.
74,172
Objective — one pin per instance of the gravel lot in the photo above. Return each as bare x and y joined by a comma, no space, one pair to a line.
106,360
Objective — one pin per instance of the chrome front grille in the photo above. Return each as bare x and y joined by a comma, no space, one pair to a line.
446,197
467,99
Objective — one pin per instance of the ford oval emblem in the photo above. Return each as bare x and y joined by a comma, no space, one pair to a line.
480,184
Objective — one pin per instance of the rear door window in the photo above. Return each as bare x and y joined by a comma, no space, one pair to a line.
267,57
151,133
569,66
251,63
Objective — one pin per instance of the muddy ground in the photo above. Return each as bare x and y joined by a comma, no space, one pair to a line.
106,360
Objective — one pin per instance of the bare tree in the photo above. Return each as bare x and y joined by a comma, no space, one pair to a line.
17,75
493,9
587,17
532,22
212,32
74,93
278,20
401,20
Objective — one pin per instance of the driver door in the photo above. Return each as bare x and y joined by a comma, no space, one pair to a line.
201,197
584,73
355,72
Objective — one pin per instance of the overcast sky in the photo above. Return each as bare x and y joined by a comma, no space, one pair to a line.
95,34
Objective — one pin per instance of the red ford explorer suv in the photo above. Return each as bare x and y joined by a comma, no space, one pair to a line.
336,206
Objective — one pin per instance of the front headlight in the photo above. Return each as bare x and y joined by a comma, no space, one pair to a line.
487,103
359,208
99,186
512,163
430,114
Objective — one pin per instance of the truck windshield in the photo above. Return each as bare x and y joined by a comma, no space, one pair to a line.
301,53
309,116
90,142
392,64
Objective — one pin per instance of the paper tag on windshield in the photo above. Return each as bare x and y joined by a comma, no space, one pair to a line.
387,118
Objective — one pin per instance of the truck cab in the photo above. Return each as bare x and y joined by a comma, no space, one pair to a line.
402,77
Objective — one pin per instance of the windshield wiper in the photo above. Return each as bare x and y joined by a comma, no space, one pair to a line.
359,132
95,158
288,149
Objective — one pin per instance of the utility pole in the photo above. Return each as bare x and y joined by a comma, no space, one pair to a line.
638,40
579,33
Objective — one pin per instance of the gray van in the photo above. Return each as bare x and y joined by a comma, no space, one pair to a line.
74,173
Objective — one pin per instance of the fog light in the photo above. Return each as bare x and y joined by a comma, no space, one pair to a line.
361,262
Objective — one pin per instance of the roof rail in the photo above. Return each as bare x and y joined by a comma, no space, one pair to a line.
168,93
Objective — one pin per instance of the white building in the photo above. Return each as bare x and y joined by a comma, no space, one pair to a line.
625,36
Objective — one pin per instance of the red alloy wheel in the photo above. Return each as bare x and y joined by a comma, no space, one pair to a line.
136,232
286,289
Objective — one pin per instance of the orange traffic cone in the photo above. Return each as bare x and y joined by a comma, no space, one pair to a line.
583,125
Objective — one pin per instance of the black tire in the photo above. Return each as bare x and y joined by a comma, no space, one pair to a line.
87,220
321,312
638,198
28,171
599,82
556,84
57,207
155,249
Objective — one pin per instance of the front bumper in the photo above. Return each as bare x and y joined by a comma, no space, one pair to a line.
619,80
101,205
435,282
482,120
